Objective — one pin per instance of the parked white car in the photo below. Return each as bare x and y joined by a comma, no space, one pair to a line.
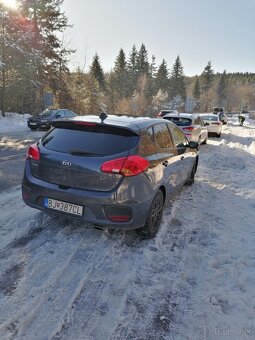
212,123
162,113
191,124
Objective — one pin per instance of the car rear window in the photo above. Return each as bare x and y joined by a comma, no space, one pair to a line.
211,118
92,141
180,121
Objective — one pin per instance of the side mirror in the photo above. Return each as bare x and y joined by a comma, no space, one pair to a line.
207,124
193,145
58,116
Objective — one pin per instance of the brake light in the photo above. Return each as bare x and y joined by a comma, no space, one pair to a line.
85,123
127,166
189,128
33,152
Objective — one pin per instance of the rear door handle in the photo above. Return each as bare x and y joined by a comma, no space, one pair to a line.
182,158
165,163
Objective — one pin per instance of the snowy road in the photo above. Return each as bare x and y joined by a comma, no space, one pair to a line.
195,280
13,146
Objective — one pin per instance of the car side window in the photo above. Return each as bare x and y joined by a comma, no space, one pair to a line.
179,138
58,114
147,145
199,121
162,136
68,113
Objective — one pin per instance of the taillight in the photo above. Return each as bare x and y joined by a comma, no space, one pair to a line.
189,128
33,152
127,166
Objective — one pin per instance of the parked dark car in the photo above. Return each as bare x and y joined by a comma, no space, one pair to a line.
44,119
114,173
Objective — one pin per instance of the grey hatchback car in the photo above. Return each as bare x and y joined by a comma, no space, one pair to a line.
113,172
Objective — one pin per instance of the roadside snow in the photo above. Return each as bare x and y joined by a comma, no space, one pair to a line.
61,279
13,122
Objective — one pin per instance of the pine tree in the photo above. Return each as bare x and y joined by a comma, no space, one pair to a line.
142,61
196,89
177,80
120,81
132,61
48,21
132,69
151,88
162,78
207,77
97,72
5,53
92,98
221,90
153,68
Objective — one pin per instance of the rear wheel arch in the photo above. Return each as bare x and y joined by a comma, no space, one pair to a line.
163,189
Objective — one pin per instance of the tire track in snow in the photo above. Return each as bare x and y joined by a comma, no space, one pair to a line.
68,280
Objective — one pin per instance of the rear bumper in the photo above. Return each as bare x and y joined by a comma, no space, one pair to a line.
34,191
37,125
214,129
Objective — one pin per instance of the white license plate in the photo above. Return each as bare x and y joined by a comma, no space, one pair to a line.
33,123
69,208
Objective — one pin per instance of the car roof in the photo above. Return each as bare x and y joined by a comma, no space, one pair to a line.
208,114
182,115
169,110
133,123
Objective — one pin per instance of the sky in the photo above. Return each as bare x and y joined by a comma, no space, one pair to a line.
220,31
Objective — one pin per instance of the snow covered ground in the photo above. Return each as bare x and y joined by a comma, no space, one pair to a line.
63,280
13,122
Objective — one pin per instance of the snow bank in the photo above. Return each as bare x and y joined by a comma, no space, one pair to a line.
13,122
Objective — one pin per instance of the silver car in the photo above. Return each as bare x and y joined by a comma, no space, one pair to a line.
191,124
114,172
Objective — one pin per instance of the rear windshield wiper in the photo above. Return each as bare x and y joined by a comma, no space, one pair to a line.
46,140
84,153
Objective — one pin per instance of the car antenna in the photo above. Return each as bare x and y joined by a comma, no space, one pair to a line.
103,116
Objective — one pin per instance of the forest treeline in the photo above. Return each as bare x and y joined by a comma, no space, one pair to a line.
34,62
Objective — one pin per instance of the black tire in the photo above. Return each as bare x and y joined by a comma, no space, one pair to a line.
153,220
191,179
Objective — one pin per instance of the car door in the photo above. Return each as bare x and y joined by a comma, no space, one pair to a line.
170,161
203,130
185,154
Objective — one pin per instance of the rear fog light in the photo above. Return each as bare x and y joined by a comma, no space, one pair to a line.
25,195
118,214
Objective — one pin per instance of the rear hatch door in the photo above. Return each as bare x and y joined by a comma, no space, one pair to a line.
71,155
